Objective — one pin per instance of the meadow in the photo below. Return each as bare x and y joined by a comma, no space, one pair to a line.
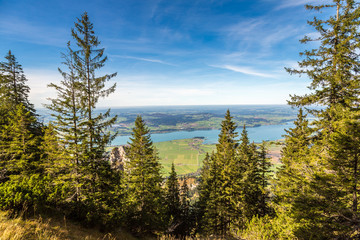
188,154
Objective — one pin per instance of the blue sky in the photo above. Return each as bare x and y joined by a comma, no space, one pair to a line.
178,52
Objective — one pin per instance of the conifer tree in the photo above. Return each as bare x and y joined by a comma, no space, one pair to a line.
172,198
145,194
203,190
264,165
4,104
250,182
20,147
333,68
13,88
14,91
222,207
185,199
82,133
67,111
57,164
88,59
212,221
21,182
186,215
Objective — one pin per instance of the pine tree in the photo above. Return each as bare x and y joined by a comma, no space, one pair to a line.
145,194
20,148
264,165
221,206
88,59
4,104
332,65
203,189
14,92
90,182
57,164
186,215
211,222
67,111
13,88
185,199
250,182
333,68
172,199
21,182
293,177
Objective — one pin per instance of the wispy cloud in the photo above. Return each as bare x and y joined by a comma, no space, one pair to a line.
295,3
145,59
245,70
33,33
259,36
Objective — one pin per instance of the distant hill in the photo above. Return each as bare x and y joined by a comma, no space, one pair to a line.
174,118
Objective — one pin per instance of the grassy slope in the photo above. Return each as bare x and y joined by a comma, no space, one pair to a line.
51,229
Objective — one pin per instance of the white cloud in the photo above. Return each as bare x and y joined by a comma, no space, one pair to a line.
293,3
246,70
38,79
144,59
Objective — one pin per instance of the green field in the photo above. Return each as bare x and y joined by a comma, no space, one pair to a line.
186,154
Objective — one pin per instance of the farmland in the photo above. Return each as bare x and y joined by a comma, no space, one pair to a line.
188,154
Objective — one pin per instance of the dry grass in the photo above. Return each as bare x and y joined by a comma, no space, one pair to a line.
51,229
170,237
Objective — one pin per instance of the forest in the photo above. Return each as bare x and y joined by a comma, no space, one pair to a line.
62,169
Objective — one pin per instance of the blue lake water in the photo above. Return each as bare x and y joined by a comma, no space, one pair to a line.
256,134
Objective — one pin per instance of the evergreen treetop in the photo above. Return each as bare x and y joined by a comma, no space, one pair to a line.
145,193
13,88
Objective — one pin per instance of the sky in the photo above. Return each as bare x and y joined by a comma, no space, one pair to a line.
178,52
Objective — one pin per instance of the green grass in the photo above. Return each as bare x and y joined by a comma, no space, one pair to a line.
186,154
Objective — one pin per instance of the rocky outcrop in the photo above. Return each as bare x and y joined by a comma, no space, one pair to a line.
118,157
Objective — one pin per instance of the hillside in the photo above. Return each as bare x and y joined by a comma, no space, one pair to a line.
53,228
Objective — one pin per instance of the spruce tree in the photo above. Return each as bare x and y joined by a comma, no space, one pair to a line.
67,111
82,132
250,181
212,221
221,206
332,65
20,148
13,88
185,200
186,214
172,199
294,174
88,59
264,165
333,68
57,164
14,92
145,194
203,189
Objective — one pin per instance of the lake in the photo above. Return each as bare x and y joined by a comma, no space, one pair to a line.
256,134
